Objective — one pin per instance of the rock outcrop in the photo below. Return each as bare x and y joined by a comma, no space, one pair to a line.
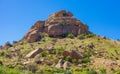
34,53
58,24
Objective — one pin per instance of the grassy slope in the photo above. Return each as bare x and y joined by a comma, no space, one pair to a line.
104,48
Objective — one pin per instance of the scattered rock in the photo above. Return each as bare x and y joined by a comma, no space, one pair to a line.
59,64
74,54
66,65
108,64
50,48
91,46
66,53
12,49
34,53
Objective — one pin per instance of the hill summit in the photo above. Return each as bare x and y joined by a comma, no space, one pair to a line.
59,24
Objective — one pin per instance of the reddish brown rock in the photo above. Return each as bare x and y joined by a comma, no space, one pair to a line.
34,53
1,47
58,24
66,53
74,54
34,33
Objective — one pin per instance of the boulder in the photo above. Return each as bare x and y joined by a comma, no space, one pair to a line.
59,64
66,65
76,55
50,48
34,53
66,53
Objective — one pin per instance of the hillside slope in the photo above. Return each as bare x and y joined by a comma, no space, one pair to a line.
98,53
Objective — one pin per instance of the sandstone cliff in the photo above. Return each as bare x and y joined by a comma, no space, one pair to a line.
58,24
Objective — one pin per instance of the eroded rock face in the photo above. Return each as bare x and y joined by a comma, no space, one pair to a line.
56,25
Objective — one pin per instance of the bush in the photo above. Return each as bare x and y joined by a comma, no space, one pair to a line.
86,60
81,36
74,61
5,70
91,71
1,63
79,61
32,67
68,58
50,70
89,35
117,72
70,35
68,72
44,53
59,50
102,70
43,35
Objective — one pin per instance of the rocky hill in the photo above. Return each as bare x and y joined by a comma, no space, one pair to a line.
60,45
58,24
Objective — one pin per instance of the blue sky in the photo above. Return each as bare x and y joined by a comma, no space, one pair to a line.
17,16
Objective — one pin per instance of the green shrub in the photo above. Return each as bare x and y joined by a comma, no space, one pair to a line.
59,50
1,63
102,70
68,72
19,66
81,36
43,35
117,72
89,35
86,60
32,67
70,35
68,58
86,55
44,53
5,70
74,61
79,61
50,70
91,71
